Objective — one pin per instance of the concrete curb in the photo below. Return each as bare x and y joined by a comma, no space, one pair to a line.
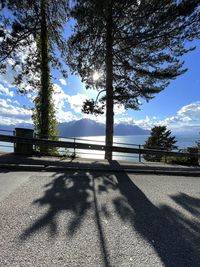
128,169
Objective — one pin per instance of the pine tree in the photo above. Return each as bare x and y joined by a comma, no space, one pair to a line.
198,144
33,29
159,139
135,45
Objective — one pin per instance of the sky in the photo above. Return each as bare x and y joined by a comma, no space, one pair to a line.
177,107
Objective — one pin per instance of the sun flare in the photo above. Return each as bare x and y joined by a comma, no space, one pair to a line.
96,76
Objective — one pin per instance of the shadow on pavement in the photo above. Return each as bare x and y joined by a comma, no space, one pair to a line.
175,238
75,192
191,204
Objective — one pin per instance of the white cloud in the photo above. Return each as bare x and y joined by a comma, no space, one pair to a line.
76,102
146,123
65,116
5,91
13,121
10,61
63,82
60,99
186,119
14,102
190,112
100,118
7,111
12,113
119,110
7,78
125,120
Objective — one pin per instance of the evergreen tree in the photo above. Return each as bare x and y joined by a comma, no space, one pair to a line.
33,30
159,139
136,46
198,142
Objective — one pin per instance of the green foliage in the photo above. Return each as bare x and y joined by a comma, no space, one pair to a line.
159,139
175,160
148,40
34,30
90,107
136,46
64,154
198,144
37,117
188,161
20,32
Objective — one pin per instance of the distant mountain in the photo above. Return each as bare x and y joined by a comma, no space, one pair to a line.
128,129
12,127
85,127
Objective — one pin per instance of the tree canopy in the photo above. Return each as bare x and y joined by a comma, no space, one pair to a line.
20,29
148,39
31,35
159,139
136,46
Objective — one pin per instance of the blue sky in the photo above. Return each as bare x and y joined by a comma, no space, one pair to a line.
178,106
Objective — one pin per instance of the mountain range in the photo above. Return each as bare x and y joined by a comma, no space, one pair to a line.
85,127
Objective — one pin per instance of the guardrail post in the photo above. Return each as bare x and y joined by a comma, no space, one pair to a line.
35,136
139,154
74,147
14,145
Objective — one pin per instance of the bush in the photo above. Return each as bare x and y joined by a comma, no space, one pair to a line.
188,161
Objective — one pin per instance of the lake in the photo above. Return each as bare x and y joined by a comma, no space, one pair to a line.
183,141
134,141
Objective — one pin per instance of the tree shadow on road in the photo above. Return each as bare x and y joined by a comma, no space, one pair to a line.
190,204
174,238
74,192
64,193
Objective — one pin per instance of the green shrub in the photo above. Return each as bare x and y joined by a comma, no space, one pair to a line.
188,161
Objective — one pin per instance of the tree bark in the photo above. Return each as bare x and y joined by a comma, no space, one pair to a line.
109,83
45,92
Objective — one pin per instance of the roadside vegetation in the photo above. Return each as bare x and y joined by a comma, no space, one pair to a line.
161,139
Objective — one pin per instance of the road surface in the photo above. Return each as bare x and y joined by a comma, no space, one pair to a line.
83,218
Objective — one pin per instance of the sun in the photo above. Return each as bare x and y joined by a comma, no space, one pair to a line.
96,76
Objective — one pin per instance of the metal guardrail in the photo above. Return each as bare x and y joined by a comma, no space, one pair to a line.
7,131
86,146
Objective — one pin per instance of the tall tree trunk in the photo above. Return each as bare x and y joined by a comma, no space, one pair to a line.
109,83
45,93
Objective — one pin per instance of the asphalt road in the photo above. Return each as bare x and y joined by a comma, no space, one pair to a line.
99,219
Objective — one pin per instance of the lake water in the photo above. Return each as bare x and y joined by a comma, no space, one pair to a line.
134,141
183,141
